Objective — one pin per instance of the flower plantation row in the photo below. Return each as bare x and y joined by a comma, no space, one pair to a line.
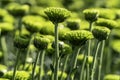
74,53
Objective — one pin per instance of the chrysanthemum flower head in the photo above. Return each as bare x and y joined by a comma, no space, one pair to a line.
107,23
78,37
101,33
57,15
21,41
91,15
41,42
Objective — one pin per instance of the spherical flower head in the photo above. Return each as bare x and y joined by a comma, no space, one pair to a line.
6,27
81,58
17,9
107,23
91,15
73,24
112,77
101,33
21,41
32,23
41,42
57,15
78,37
49,73
20,75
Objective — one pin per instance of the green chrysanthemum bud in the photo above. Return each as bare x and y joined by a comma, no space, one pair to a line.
107,23
115,45
62,31
47,29
32,23
112,77
3,69
57,15
78,37
91,15
49,73
21,42
106,13
17,9
29,67
41,42
20,75
3,79
6,27
81,58
73,24
101,33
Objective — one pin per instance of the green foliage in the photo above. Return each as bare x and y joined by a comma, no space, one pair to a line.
107,23
112,77
91,15
78,37
57,15
20,75
33,23
101,33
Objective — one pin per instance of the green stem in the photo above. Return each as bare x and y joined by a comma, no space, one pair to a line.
82,68
88,52
73,62
64,67
41,67
57,60
109,55
84,75
20,25
16,64
4,48
35,64
95,60
101,59
28,51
